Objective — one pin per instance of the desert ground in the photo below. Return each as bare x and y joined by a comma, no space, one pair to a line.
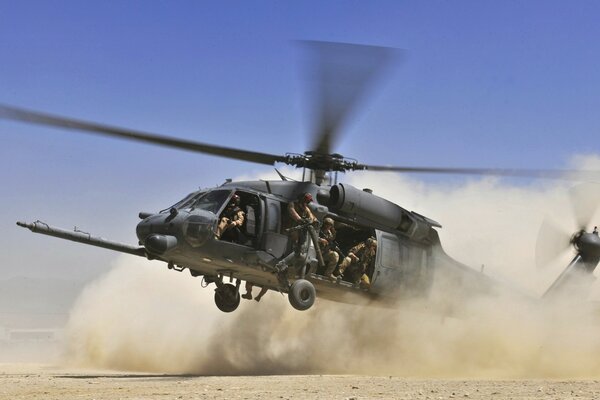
38,381
151,343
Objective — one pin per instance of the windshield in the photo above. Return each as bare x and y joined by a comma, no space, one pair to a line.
211,201
185,202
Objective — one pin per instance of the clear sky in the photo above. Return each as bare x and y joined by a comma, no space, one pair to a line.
483,84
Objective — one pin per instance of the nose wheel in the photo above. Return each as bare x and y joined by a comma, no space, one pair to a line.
227,297
302,294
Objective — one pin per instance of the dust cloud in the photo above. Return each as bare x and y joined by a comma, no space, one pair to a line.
141,317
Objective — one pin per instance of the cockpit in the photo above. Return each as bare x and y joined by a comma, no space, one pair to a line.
203,212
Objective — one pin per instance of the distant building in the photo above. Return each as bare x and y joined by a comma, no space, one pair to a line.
34,335
20,335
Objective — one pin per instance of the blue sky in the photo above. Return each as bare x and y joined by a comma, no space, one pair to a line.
483,84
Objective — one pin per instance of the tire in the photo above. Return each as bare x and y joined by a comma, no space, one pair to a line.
302,294
227,298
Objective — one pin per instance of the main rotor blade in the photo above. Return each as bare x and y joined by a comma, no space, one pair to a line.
18,114
552,241
585,199
342,74
568,175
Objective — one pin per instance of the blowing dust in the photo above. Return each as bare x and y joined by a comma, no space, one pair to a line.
142,317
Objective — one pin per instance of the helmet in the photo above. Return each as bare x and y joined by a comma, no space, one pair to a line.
328,221
307,198
372,242
235,199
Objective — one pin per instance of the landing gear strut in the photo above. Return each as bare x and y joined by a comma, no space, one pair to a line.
227,297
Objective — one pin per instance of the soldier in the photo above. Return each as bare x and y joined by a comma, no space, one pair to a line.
300,213
327,245
248,294
300,216
232,218
360,263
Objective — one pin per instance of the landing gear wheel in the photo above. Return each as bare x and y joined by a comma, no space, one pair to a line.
302,294
227,298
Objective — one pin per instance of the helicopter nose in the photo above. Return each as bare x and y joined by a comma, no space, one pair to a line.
145,228
161,223
193,228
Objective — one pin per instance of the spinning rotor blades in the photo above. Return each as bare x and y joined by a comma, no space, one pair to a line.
553,241
18,114
585,199
342,74
560,174
584,204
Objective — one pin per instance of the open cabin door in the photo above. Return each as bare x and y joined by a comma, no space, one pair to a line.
274,241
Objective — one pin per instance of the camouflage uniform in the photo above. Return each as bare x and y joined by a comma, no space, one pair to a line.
330,256
232,217
248,294
299,212
360,263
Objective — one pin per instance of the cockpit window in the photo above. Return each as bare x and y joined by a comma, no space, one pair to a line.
185,202
211,201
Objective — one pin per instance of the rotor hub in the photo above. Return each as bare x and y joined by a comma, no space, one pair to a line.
587,244
322,162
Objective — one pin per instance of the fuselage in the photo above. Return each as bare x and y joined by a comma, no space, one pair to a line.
184,236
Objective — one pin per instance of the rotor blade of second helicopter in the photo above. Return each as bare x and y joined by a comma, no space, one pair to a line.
340,76
551,242
568,175
18,114
585,200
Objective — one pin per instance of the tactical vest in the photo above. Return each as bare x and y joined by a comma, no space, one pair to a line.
232,213
329,236
302,211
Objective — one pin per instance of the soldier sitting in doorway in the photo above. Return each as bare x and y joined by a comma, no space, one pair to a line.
300,214
358,266
231,221
327,246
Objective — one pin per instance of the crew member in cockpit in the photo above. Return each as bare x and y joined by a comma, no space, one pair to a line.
231,220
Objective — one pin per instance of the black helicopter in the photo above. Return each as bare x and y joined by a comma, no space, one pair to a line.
409,256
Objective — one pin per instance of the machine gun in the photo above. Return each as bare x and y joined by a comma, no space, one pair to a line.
303,225
333,245
308,226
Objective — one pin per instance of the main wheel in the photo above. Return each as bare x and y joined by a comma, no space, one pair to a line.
302,294
227,298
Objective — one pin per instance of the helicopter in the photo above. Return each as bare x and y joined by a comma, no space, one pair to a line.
408,258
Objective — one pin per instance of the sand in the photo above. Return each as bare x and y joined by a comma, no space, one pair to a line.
29,381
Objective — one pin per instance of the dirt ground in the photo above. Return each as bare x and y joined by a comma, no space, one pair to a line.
35,381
